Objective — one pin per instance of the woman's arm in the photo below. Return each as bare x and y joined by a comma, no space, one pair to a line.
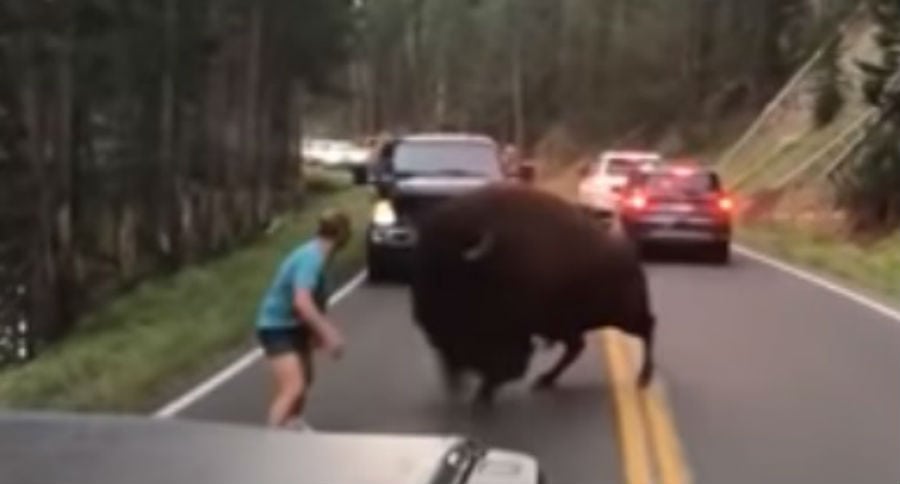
323,328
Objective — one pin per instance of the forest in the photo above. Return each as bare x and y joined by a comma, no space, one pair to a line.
596,71
139,136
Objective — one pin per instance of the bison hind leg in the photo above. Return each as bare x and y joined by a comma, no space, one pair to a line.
573,348
486,394
452,375
648,368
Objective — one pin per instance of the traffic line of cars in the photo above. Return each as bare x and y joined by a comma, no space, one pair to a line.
658,202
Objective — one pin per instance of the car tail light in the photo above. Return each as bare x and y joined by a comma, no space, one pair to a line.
636,201
725,204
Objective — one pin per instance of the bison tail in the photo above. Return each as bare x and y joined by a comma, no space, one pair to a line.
649,366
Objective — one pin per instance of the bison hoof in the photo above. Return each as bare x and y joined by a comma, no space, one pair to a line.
545,382
482,404
454,386
485,397
645,377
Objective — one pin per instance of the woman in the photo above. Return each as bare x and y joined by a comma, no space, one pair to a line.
292,318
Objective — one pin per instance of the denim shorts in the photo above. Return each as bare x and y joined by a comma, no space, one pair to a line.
280,341
277,341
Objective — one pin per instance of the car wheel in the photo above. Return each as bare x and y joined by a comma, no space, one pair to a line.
376,268
720,253
360,175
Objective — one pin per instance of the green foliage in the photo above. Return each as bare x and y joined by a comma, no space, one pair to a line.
127,354
886,14
600,68
871,191
153,133
874,266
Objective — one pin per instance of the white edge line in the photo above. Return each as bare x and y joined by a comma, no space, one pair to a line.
856,297
206,387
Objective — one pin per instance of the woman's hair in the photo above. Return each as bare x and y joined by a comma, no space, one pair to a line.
335,225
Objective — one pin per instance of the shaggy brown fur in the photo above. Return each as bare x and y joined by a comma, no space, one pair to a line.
499,266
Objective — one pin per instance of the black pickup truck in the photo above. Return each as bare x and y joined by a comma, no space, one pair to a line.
412,175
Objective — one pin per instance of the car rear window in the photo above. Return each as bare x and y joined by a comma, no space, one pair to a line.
699,183
622,166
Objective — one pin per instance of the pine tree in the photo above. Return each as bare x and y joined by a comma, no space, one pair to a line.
873,194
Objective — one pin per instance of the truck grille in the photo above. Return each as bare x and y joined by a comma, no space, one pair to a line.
415,208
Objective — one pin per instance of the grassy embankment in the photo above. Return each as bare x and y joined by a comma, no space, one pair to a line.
871,265
786,162
151,342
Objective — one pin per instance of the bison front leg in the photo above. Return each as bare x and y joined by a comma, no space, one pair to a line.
573,349
452,375
487,392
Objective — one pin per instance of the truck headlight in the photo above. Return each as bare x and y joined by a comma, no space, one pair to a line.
383,215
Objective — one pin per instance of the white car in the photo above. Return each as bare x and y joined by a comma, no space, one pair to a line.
603,179
335,153
338,155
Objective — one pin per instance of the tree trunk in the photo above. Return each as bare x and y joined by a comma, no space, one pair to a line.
252,114
44,281
168,228
65,169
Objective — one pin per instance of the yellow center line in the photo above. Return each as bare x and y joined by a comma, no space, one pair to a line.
648,438
633,448
666,445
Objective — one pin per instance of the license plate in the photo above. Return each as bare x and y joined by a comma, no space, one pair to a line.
665,220
679,235
678,207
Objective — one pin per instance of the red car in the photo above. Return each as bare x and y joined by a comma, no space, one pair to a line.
678,205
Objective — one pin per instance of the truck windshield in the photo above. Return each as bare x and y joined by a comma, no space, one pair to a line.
446,159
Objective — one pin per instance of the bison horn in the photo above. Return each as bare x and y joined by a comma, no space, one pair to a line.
480,249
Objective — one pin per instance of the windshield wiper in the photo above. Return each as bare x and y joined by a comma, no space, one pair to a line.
459,462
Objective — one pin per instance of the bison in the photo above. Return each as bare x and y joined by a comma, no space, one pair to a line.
497,268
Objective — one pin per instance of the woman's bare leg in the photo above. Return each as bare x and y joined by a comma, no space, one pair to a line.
290,385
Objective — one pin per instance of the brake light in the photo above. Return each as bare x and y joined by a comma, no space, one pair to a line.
637,201
725,204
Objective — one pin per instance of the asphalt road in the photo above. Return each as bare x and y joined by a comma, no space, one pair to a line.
770,379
